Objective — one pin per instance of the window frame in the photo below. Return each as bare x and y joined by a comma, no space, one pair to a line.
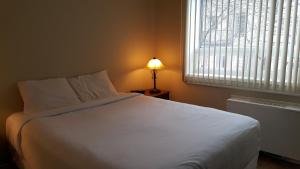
187,78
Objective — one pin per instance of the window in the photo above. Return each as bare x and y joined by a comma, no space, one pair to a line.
250,44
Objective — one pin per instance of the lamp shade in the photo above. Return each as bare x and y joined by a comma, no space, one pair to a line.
154,64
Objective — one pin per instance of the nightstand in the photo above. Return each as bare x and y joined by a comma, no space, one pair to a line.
8,166
163,94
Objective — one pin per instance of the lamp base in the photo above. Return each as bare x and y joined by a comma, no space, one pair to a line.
155,91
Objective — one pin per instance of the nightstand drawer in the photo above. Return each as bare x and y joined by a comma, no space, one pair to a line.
163,94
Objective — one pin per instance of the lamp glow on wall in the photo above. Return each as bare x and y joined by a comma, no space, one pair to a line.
154,65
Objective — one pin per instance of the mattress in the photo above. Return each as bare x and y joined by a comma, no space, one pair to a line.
133,131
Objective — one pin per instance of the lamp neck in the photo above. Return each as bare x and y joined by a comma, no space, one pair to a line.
154,90
154,78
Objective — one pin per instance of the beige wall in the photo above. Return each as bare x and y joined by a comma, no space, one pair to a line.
48,38
168,47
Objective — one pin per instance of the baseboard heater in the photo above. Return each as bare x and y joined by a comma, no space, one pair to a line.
280,123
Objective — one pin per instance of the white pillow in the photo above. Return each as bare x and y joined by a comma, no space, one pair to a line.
93,86
42,95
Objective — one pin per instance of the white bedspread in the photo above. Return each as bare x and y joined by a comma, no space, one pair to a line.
133,131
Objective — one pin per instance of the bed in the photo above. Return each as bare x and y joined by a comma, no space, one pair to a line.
133,131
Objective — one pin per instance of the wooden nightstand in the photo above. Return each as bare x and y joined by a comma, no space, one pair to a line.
8,166
163,94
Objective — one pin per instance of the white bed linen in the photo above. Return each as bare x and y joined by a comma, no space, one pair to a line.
42,95
134,132
93,86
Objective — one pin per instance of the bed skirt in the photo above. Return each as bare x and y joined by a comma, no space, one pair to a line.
253,163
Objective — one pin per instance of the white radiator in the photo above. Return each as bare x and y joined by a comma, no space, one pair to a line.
280,123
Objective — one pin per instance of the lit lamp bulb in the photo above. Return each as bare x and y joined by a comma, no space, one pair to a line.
154,64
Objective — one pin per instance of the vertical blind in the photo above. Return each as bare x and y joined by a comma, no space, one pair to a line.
251,44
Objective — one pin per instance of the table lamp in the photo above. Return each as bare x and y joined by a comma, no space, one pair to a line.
154,65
